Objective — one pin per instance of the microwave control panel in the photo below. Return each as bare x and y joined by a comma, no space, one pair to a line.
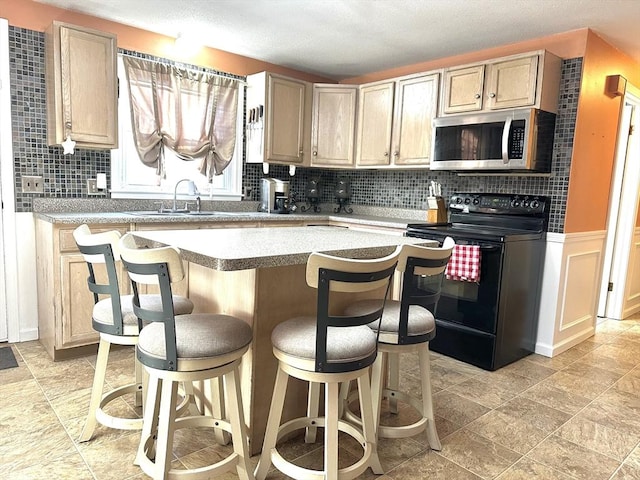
516,139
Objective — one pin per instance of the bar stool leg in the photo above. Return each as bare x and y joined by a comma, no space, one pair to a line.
368,426
150,420
137,368
331,393
236,418
313,408
96,390
377,371
166,427
218,410
394,380
427,402
273,424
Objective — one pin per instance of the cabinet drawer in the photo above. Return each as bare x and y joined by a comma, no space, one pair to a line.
68,243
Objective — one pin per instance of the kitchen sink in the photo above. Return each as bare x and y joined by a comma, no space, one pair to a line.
168,213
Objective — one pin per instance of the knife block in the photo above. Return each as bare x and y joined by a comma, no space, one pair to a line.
437,212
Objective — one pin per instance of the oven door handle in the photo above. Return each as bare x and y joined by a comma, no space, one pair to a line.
484,247
505,140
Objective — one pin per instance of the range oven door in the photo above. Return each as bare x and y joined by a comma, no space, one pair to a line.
475,305
469,304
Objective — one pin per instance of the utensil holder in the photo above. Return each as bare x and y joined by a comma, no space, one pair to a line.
437,212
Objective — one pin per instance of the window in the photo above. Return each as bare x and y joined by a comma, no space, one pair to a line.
130,178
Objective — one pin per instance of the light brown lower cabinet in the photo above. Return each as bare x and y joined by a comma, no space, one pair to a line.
64,300
65,303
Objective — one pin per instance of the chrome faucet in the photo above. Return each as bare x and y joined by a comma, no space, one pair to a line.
193,190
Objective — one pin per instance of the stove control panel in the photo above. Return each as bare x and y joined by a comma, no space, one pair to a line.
499,203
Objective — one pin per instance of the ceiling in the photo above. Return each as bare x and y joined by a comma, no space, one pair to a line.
339,39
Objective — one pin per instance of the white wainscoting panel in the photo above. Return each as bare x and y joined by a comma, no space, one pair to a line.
26,277
570,289
631,303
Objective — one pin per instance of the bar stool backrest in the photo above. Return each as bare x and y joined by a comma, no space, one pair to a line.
335,274
154,266
423,271
102,249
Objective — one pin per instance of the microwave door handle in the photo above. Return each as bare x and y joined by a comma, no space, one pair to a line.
505,141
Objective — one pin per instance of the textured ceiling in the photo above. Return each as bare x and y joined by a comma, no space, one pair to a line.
346,38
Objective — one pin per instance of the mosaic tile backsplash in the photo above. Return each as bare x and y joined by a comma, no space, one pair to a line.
65,176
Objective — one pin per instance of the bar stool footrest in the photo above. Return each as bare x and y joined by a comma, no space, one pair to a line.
112,421
227,464
298,472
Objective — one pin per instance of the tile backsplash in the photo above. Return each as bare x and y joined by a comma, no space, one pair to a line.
65,176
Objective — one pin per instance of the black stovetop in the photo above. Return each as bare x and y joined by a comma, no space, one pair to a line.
490,216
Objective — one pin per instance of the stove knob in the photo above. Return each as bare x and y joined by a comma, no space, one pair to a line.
525,204
515,203
535,204
476,201
458,199
467,201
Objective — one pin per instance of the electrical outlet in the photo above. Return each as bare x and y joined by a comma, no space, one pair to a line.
92,187
32,184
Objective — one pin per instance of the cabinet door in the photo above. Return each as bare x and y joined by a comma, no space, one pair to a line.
512,83
333,127
77,300
87,109
462,89
417,100
375,120
285,120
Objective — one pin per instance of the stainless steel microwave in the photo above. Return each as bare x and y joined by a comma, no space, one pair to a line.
511,140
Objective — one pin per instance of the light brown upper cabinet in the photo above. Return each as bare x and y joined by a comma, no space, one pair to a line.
81,85
395,120
333,125
526,80
282,134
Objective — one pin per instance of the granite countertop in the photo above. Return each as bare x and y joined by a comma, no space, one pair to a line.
242,248
389,218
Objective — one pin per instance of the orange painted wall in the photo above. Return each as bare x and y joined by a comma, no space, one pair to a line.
564,45
37,16
595,138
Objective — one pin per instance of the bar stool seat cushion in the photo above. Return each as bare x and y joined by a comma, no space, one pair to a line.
421,321
198,335
297,337
103,313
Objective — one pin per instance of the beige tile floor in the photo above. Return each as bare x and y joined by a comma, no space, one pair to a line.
574,416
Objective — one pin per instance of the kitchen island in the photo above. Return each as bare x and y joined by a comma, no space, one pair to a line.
258,275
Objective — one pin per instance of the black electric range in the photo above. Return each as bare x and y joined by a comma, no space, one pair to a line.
492,322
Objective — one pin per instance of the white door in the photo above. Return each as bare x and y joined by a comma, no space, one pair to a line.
5,157
620,255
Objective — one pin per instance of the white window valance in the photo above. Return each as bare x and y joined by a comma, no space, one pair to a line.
192,113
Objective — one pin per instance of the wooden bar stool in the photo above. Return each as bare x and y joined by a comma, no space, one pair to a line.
184,348
329,349
407,326
116,323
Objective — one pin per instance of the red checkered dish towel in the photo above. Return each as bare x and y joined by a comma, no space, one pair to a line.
464,264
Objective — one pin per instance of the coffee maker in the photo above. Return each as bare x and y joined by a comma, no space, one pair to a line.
274,196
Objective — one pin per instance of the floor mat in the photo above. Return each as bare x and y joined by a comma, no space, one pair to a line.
7,359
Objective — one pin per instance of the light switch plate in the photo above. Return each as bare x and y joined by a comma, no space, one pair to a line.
92,187
32,184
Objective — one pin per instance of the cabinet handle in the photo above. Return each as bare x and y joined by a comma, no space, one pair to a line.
315,153
477,96
67,124
492,95
396,153
386,154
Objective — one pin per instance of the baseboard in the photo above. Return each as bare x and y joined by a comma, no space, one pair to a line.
28,334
